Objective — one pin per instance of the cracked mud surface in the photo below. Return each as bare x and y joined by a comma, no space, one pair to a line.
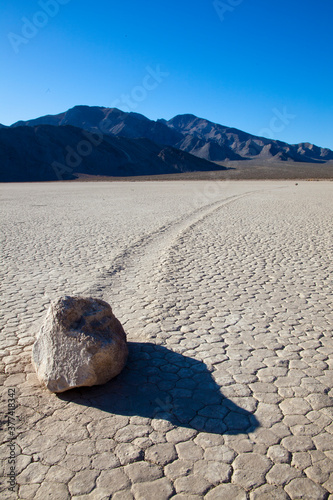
224,290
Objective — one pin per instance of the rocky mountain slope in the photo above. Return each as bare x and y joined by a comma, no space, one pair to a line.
189,133
245,145
48,152
109,142
110,121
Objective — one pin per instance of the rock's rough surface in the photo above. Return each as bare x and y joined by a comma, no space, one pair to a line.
81,343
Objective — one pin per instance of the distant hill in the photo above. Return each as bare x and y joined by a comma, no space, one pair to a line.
189,133
108,142
48,152
110,121
245,145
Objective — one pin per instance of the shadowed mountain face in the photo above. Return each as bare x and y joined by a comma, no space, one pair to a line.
133,125
48,152
159,383
108,142
189,133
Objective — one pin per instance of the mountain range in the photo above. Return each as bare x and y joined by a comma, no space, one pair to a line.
109,142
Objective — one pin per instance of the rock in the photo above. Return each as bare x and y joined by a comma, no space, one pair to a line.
306,489
81,343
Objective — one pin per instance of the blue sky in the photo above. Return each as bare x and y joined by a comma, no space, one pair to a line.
264,66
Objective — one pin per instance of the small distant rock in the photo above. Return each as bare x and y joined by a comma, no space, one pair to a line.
81,343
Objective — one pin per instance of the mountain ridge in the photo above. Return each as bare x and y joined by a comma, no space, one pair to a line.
99,141
49,153
248,145
187,132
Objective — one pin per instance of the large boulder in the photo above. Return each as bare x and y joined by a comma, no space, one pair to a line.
81,343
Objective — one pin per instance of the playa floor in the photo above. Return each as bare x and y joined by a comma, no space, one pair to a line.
224,290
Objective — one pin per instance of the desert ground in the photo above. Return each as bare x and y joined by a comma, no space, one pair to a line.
224,290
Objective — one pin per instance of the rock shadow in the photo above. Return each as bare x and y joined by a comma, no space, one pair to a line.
160,383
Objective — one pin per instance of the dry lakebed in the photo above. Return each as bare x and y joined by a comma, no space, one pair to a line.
224,289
